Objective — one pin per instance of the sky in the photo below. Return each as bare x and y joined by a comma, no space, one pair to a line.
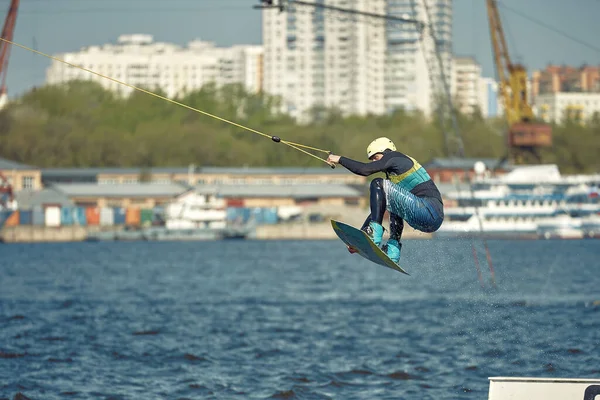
56,26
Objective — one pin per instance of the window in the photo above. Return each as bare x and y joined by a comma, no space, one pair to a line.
108,181
27,182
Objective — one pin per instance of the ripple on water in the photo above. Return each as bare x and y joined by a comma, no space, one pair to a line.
189,320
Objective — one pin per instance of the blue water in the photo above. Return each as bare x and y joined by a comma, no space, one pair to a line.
292,319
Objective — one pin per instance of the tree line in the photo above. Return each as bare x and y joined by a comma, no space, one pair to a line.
81,124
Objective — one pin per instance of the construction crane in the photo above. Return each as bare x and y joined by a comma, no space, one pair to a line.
7,33
525,136
6,191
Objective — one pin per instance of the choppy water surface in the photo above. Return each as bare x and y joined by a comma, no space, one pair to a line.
292,319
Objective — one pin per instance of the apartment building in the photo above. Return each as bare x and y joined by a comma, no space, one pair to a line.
567,92
555,79
314,57
140,61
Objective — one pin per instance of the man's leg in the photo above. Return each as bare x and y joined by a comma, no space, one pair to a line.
393,246
396,226
374,227
366,223
417,212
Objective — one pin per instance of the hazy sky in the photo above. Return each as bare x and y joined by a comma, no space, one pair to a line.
54,26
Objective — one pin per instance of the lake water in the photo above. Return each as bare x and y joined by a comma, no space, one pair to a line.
292,319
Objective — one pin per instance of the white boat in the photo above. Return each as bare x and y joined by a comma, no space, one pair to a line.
191,216
530,201
491,226
193,210
590,226
561,227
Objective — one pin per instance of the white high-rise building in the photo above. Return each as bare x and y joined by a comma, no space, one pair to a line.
357,64
430,48
139,61
471,91
490,100
467,75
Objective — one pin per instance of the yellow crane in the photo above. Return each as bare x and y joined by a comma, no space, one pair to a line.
524,135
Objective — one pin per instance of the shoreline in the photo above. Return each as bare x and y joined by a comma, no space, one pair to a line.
299,231
285,231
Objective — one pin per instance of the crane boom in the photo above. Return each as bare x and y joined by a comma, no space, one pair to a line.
7,33
513,77
523,133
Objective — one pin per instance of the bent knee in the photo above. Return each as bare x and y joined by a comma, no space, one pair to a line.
377,184
431,227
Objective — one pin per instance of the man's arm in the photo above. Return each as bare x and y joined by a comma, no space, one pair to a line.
363,169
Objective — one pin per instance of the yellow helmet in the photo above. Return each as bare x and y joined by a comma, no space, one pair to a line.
379,145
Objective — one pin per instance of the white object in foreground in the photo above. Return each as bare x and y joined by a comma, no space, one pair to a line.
503,388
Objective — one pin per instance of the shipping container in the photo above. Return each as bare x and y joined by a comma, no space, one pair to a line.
132,216
37,216
146,217
107,216
269,215
238,214
13,219
52,216
119,214
92,215
79,216
66,216
265,215
231,213
73,216
4,216
235,202
246,214
256,215
26,217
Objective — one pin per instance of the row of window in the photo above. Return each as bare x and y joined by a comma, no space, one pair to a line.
512,203
218,181
156,67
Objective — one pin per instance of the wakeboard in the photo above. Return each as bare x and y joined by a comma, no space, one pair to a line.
363,245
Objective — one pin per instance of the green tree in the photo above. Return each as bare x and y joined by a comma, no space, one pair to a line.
81,124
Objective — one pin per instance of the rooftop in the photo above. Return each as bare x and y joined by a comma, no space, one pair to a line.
121,190
467,163
8,165
296,191
274,171
28,198
94,172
